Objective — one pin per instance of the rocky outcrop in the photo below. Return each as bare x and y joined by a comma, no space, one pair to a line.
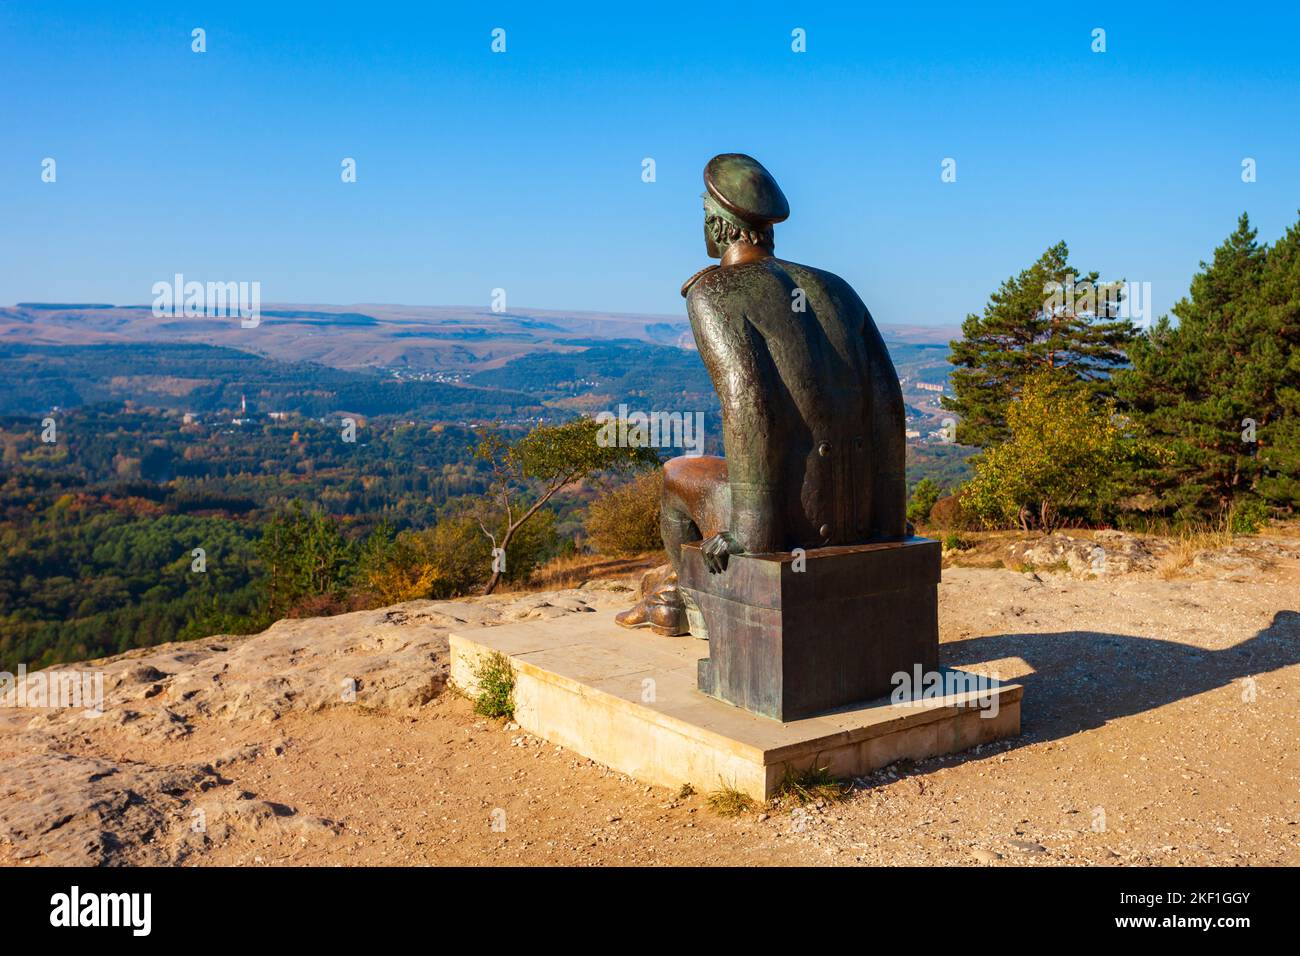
60,805
1106,553
61,809
1112,553
1243,561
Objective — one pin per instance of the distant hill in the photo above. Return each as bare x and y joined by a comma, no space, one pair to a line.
437,363
415,338
205,378
419,338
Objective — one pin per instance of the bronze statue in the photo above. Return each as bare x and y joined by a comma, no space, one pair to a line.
812,412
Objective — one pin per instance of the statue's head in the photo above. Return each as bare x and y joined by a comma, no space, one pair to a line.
742,202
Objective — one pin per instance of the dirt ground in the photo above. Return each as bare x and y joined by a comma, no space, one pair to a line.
1160,726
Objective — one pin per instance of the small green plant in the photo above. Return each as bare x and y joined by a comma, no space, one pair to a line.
1248,517
952,541
496,686
811,785
685,792
727,801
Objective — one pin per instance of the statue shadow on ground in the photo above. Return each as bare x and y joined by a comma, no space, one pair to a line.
1084,679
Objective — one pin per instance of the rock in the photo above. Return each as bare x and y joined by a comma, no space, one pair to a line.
571,604
1027,846
139,673
985,856
217,821
390,660
1230,564
240,754
67,810
604,585
1109,553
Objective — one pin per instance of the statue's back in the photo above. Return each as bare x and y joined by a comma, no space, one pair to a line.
830,402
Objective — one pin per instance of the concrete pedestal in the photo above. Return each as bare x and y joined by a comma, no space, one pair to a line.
628,699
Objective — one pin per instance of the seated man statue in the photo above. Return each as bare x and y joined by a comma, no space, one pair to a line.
812,412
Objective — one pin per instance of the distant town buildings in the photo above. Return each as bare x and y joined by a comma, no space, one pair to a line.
924,386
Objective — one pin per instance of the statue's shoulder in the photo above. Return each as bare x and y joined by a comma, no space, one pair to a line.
798,270
810,277
686,286
725,289
721,282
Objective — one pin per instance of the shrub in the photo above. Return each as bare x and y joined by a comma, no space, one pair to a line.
496,686
448,560
947,514
323,605
395,569
443,561
1064,457
625,519
924,495
952,541
1248,517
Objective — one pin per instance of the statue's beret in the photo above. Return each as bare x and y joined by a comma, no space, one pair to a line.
741,185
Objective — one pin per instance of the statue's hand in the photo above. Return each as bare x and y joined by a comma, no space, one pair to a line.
717,548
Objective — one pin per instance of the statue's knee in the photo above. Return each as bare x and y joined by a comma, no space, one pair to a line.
674,472
688,475
672,500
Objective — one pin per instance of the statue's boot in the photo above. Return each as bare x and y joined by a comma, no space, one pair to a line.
663,611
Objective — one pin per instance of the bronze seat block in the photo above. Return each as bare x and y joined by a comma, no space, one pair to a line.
787,643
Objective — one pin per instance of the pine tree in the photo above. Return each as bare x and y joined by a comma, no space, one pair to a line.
1279,441
1221,389
1049,316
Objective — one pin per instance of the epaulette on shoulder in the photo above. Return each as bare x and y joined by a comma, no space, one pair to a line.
686,286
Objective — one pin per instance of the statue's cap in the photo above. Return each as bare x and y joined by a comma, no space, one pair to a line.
741,185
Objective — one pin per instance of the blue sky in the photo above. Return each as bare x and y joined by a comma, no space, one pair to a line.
522,170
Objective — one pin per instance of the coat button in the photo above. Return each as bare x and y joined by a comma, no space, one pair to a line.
824,449
824,531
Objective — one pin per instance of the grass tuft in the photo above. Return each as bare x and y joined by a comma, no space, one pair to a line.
727,801
1190,541
811,785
